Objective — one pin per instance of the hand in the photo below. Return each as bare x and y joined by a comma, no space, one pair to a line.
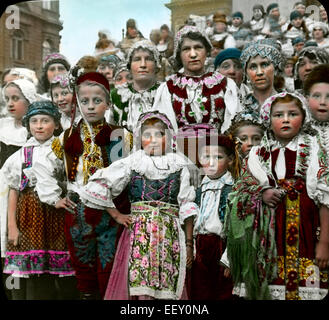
66,204
13,235
322,255
123,219
195,175
227,273
272,197
189,257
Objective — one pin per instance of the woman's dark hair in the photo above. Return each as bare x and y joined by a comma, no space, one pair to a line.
193,36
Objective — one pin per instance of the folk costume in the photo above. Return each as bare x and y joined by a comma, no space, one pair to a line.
194,104
150,261
271,252
42,247
90,234
12,138
208,281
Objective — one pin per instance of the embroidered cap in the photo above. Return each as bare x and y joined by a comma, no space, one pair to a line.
41,107
266,48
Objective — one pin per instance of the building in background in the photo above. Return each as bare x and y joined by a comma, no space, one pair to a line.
35,36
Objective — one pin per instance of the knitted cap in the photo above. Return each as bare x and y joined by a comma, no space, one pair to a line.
237,14
229,53
271,7
297,40
295,14
42,107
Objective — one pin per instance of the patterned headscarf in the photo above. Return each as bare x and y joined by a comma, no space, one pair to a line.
266,48
184,31
144,44
265,110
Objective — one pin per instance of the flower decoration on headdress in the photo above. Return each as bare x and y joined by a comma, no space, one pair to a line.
63,80
265,110
266,48
247,114
145,44
56,58
153,115
184,31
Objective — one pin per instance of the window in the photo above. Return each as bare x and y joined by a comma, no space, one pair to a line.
46,4
46,49
17,46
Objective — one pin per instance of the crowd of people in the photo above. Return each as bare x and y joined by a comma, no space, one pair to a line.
191,166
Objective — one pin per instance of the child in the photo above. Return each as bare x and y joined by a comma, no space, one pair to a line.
217,155
317,91
296,27
36,248
62,96
153,251
277,222
247,131
90,234
274,22
257,21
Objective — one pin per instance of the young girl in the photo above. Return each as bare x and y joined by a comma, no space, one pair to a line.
209,282
18,94
153,251
296,27
277,222
317,91
36,249
82,149
62,97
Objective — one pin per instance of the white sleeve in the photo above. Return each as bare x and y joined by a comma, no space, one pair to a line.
106,184
232,104
12,170
186,197
317,175
163,104
47,186
230,42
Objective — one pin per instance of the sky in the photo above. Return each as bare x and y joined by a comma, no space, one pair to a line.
82,19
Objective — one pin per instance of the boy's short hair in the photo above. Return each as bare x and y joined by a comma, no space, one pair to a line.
318,74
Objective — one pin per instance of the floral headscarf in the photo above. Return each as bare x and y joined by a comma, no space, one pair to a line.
145,44
153,115
265,110
181,33
266,48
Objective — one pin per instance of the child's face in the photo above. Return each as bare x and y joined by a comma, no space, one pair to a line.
17,105
42,127
220,27
260,71
236,21
62,98
275,13
54,70
289,70
154,140
249,136
301,8
299,46
297,22
318,101
215,162
318,33
93,102
257,14
286,121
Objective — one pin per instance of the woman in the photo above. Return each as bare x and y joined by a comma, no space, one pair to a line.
53,64
261,61
191,98
130,100
320,34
